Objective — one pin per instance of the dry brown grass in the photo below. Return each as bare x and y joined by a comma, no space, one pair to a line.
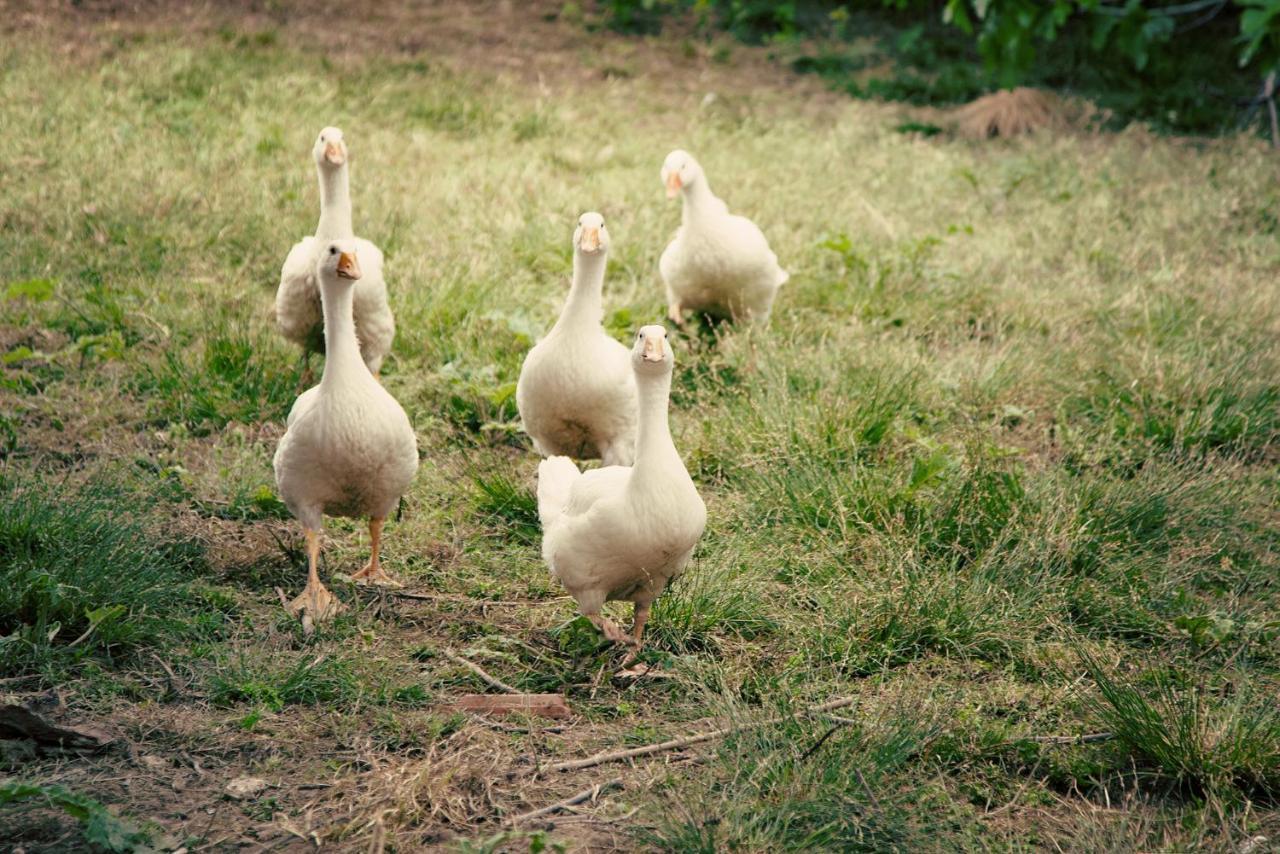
1014,112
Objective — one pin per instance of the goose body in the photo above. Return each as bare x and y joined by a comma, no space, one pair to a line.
718,263
623,532
577,393
349,449
298,311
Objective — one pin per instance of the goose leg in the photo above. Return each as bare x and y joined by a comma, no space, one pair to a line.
641,617
674,312
637,632
315,603
631,668
608,628
373,573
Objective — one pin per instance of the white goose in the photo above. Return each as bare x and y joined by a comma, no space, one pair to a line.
623,532
298,313
718,263
576,392
349,449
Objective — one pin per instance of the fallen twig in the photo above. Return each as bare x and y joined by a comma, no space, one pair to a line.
821,741
875,802
1073,739
675,743
541,705
588,794
480,671
472,600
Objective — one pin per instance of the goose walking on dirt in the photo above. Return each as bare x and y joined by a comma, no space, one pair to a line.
577,393
298,312
349,449
623,532
718,263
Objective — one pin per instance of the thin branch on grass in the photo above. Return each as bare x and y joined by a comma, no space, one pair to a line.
292,555
862,781
1088,738
471,600
588,794
823,740
690,740
1269,92
480,671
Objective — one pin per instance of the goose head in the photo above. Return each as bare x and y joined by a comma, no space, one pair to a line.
679,171
591,237
652,352
337,263
330,151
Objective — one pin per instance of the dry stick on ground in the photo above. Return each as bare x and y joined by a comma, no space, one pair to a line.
1073,739
479,671
689,740
471,600
588,794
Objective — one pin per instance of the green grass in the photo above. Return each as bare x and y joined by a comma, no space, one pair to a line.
82,579
1004,466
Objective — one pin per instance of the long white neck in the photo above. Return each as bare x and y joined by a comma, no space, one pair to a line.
655,452
335,204
699,201
342,360
585,305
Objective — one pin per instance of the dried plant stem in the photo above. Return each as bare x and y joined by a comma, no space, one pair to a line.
588,794
689,740
480,671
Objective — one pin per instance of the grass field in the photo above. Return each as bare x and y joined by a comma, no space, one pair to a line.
1004,469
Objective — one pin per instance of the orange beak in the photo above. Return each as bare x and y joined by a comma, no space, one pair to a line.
347,266
334,154
590,239
653,348
673,184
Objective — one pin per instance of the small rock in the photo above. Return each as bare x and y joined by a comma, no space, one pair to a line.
242,788
157,764
1251,845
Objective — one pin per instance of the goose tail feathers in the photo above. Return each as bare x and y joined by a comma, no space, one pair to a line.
555,481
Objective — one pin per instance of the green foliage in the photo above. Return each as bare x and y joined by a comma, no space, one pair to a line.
63,596
1260,32
1169,63
36,290
100,828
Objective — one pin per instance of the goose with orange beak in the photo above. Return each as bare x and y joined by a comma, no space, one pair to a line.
349,449
576,392
624,532
298,311
718,264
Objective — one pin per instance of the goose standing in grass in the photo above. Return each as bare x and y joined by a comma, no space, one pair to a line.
623,532
718,263
298,313
349,449
577,392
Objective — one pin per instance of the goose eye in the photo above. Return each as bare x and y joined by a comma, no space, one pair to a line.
333,250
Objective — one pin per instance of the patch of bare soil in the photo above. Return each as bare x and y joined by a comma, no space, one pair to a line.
528,42
322,776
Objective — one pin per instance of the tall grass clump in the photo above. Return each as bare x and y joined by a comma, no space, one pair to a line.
808,786
81,575
238,375
1219,743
